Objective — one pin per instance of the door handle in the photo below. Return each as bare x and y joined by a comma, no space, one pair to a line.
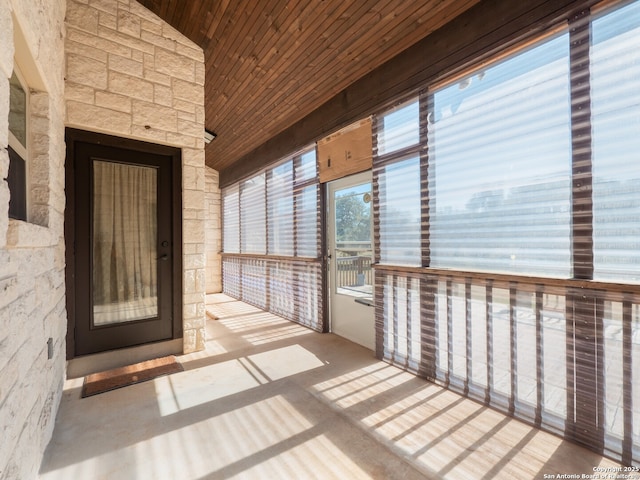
365,301
163,257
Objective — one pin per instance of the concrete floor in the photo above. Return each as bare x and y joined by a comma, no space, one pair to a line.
270,399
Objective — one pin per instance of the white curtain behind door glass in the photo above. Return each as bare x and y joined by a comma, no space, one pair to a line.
124,242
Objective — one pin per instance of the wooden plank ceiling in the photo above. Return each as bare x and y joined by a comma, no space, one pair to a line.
269,63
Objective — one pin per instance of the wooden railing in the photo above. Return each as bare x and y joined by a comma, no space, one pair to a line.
563,355
353,271
287,286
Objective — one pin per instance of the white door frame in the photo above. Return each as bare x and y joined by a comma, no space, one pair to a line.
351,312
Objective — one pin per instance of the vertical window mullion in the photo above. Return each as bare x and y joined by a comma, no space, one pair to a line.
539,355
627,379
296,165
513,302
489,316
468,333
375,190
582,202
426,108
268,209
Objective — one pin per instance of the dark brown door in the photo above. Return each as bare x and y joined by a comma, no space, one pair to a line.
124,247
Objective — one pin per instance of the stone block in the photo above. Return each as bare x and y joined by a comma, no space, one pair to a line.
200,114
193,52
200,339
97,42
125,65
193,199
155,77
108,20
86,71
188,91
114,101
158,40
102,119
108,6
200,73
40,104
169,32
4,211
192,214
151,27
156,116
125,39
162,95
189,311
82,17
4,112
130,86
188,117
191,129
193,231
189,174
4,163
9,291
137,56
187,107
194,321
40,145
6,40
129,23
179,140
198,181
144,13
85,50
193,157
189,281
192,261
149,134
175,65
189,340
39,194
201,279
40,126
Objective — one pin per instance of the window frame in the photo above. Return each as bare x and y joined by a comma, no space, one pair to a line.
427,103
22,152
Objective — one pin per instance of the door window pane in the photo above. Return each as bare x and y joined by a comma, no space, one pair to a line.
353,241
125,255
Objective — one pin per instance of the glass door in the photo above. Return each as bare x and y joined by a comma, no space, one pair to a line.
351,255
124,248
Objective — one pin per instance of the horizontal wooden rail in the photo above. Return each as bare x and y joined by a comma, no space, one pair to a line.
506,278
277,258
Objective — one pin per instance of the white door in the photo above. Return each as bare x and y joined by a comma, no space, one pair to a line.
350,234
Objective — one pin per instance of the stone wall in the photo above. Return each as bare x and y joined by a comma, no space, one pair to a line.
32,303
213,232
130,74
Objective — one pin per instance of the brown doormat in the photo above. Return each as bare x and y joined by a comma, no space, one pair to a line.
121,377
